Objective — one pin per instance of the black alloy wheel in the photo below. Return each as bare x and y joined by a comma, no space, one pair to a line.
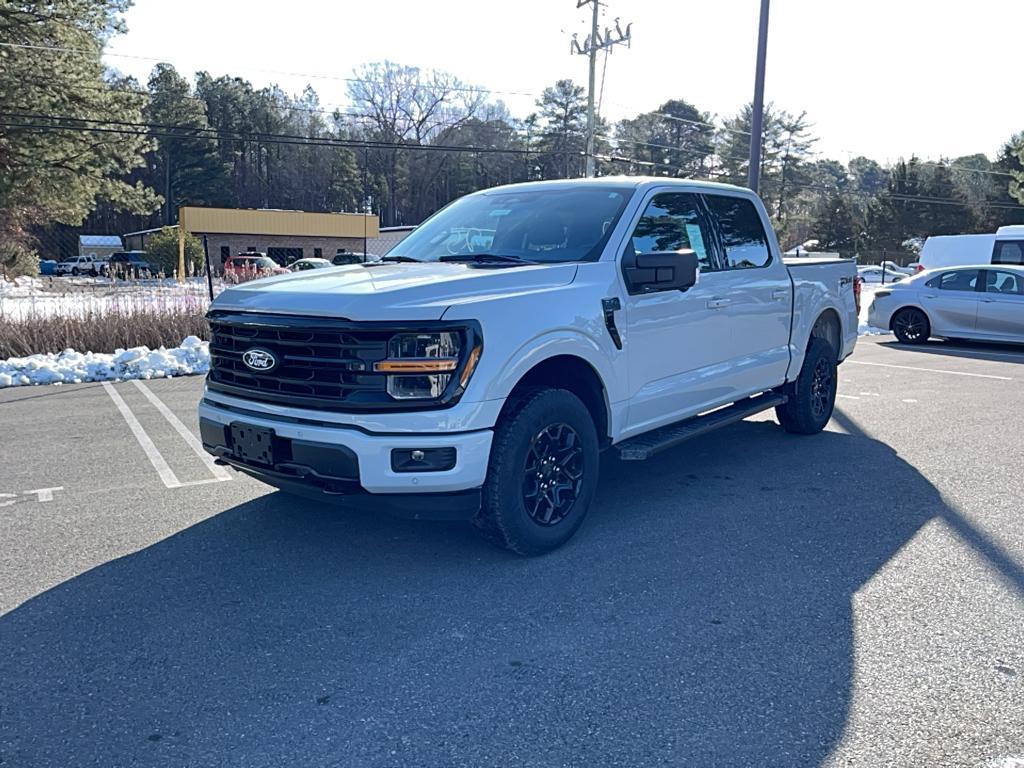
821,387
911,326
553,474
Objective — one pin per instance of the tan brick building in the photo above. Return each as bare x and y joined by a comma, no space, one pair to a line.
284,236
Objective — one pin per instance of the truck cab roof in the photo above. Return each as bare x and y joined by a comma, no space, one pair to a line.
1011,230
619,182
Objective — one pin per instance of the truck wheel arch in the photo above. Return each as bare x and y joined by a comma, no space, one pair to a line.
576,375
829,327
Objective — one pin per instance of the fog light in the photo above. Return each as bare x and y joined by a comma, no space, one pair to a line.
422,459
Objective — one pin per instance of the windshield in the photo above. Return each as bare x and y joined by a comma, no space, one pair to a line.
547,226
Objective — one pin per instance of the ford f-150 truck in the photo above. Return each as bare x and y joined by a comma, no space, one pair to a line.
477,371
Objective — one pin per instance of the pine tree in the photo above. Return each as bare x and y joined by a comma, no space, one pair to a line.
55,163
185,165
674,140
563,112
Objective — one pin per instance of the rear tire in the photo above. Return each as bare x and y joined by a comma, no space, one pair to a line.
812,397
542,473
911,326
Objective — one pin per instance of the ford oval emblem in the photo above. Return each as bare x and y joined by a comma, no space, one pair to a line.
259,359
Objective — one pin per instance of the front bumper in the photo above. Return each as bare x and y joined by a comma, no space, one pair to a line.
347,461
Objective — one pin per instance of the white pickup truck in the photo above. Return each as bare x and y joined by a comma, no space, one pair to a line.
82,265
480,368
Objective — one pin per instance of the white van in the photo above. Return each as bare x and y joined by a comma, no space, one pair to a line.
1006,246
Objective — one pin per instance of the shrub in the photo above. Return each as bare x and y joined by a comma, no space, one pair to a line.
17,260
162,251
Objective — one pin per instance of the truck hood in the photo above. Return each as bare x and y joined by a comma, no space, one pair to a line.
389,291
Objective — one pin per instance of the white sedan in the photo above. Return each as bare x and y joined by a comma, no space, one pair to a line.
303,264
984,303
873,274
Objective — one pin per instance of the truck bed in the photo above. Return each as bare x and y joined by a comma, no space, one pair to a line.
810,261
820,282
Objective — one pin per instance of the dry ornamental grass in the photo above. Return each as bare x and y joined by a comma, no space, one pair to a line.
100,320
100,332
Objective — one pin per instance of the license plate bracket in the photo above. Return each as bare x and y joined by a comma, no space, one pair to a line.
251,444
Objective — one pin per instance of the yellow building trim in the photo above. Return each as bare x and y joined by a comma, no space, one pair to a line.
262,221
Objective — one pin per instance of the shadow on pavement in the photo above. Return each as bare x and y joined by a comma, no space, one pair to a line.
973,350
23,393
701,617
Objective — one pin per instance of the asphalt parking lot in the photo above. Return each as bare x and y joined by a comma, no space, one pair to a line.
752,598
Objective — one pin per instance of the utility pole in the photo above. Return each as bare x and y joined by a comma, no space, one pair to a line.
594,43
754,172
591,78
366,196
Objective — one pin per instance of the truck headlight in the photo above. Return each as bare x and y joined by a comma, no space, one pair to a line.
420,365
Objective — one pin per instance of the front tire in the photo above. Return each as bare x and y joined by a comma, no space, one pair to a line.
911,326
74,271
542,473
812,397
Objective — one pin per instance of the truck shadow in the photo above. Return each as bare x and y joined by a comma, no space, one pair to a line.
701,617
973,350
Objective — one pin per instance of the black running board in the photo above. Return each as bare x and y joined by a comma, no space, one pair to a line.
646,445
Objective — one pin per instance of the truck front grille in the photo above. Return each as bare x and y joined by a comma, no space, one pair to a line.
318,361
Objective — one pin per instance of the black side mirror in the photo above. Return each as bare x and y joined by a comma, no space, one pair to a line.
660,270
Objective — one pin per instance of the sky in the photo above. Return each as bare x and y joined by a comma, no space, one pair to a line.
881,78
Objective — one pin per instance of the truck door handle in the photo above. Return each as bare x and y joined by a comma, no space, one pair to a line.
930,296
987,301
718,303
779,294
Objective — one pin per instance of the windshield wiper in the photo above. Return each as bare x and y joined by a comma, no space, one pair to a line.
486,258
403,259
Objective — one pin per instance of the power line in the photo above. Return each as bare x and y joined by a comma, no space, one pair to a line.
332,109
723,127
192,132
160,130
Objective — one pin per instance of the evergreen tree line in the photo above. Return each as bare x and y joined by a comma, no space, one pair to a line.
83,148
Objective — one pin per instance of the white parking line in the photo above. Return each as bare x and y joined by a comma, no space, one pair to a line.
166,474
186,434
931,370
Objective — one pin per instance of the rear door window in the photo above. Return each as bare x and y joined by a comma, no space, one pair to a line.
961,280
1008,252
997,281
741,232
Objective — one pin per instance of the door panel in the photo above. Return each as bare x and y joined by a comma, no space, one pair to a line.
677,344
1001,306
951,300
759,292
680,354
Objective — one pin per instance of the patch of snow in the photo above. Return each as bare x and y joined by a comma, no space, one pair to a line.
867,294
1005,762
70,367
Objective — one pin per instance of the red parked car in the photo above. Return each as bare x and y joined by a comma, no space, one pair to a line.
249,266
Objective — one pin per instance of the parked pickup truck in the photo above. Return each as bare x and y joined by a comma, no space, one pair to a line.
480,368
82,265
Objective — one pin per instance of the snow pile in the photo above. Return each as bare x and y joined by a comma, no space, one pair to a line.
192,356
867,293
1006,762
20,286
